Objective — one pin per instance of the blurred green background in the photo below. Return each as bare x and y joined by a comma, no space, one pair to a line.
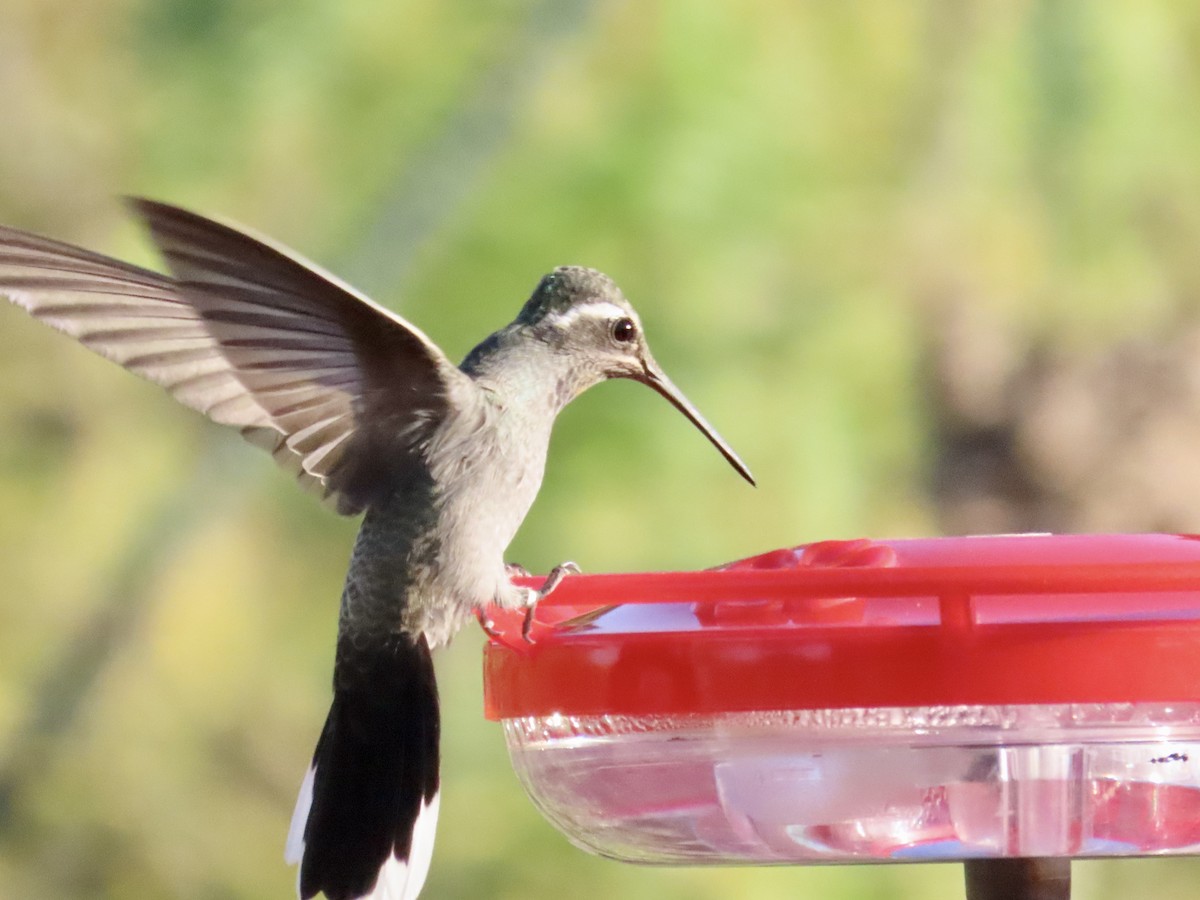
788,192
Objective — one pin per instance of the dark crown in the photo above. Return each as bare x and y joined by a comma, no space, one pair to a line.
565,287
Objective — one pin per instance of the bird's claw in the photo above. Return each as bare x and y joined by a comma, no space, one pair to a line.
527,626
554,579
486,623
516,570
557,574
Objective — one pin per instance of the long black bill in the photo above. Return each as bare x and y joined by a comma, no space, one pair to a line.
655,377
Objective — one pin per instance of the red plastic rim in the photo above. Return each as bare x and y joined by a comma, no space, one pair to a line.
978,620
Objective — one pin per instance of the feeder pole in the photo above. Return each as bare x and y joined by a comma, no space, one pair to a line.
1033,878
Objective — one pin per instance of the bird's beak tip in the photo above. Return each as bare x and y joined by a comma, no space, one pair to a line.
654,377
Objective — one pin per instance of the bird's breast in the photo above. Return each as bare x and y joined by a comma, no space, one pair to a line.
486,479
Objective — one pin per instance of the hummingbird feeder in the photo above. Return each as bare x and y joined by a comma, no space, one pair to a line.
951,699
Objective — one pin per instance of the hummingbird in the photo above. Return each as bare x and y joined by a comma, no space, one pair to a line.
442,461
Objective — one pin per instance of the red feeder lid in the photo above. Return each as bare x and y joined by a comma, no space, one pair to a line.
978,620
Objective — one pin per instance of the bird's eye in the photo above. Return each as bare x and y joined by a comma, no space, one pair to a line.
623,330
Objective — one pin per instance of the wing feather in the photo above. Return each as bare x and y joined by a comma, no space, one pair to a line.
84,294
339,390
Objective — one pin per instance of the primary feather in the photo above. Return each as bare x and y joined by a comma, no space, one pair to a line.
254,337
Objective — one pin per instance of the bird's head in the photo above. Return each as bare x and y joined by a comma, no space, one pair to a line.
584,318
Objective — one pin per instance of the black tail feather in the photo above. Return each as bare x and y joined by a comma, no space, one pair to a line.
375,766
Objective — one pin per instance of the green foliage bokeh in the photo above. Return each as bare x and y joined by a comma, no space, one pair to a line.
784,190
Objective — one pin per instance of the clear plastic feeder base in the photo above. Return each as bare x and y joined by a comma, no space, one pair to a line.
869,785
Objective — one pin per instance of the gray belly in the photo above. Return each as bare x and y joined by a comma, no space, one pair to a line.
477,522
432,553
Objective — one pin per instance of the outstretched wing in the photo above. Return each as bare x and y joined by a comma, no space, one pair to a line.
341,391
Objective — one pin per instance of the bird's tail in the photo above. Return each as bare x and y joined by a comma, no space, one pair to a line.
367,811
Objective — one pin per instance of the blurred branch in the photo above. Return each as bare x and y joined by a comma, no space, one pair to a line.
452,164
1033,434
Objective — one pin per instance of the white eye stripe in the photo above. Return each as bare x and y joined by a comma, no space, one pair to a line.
601,310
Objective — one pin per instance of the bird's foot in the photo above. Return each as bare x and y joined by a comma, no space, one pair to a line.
516,570
557,574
